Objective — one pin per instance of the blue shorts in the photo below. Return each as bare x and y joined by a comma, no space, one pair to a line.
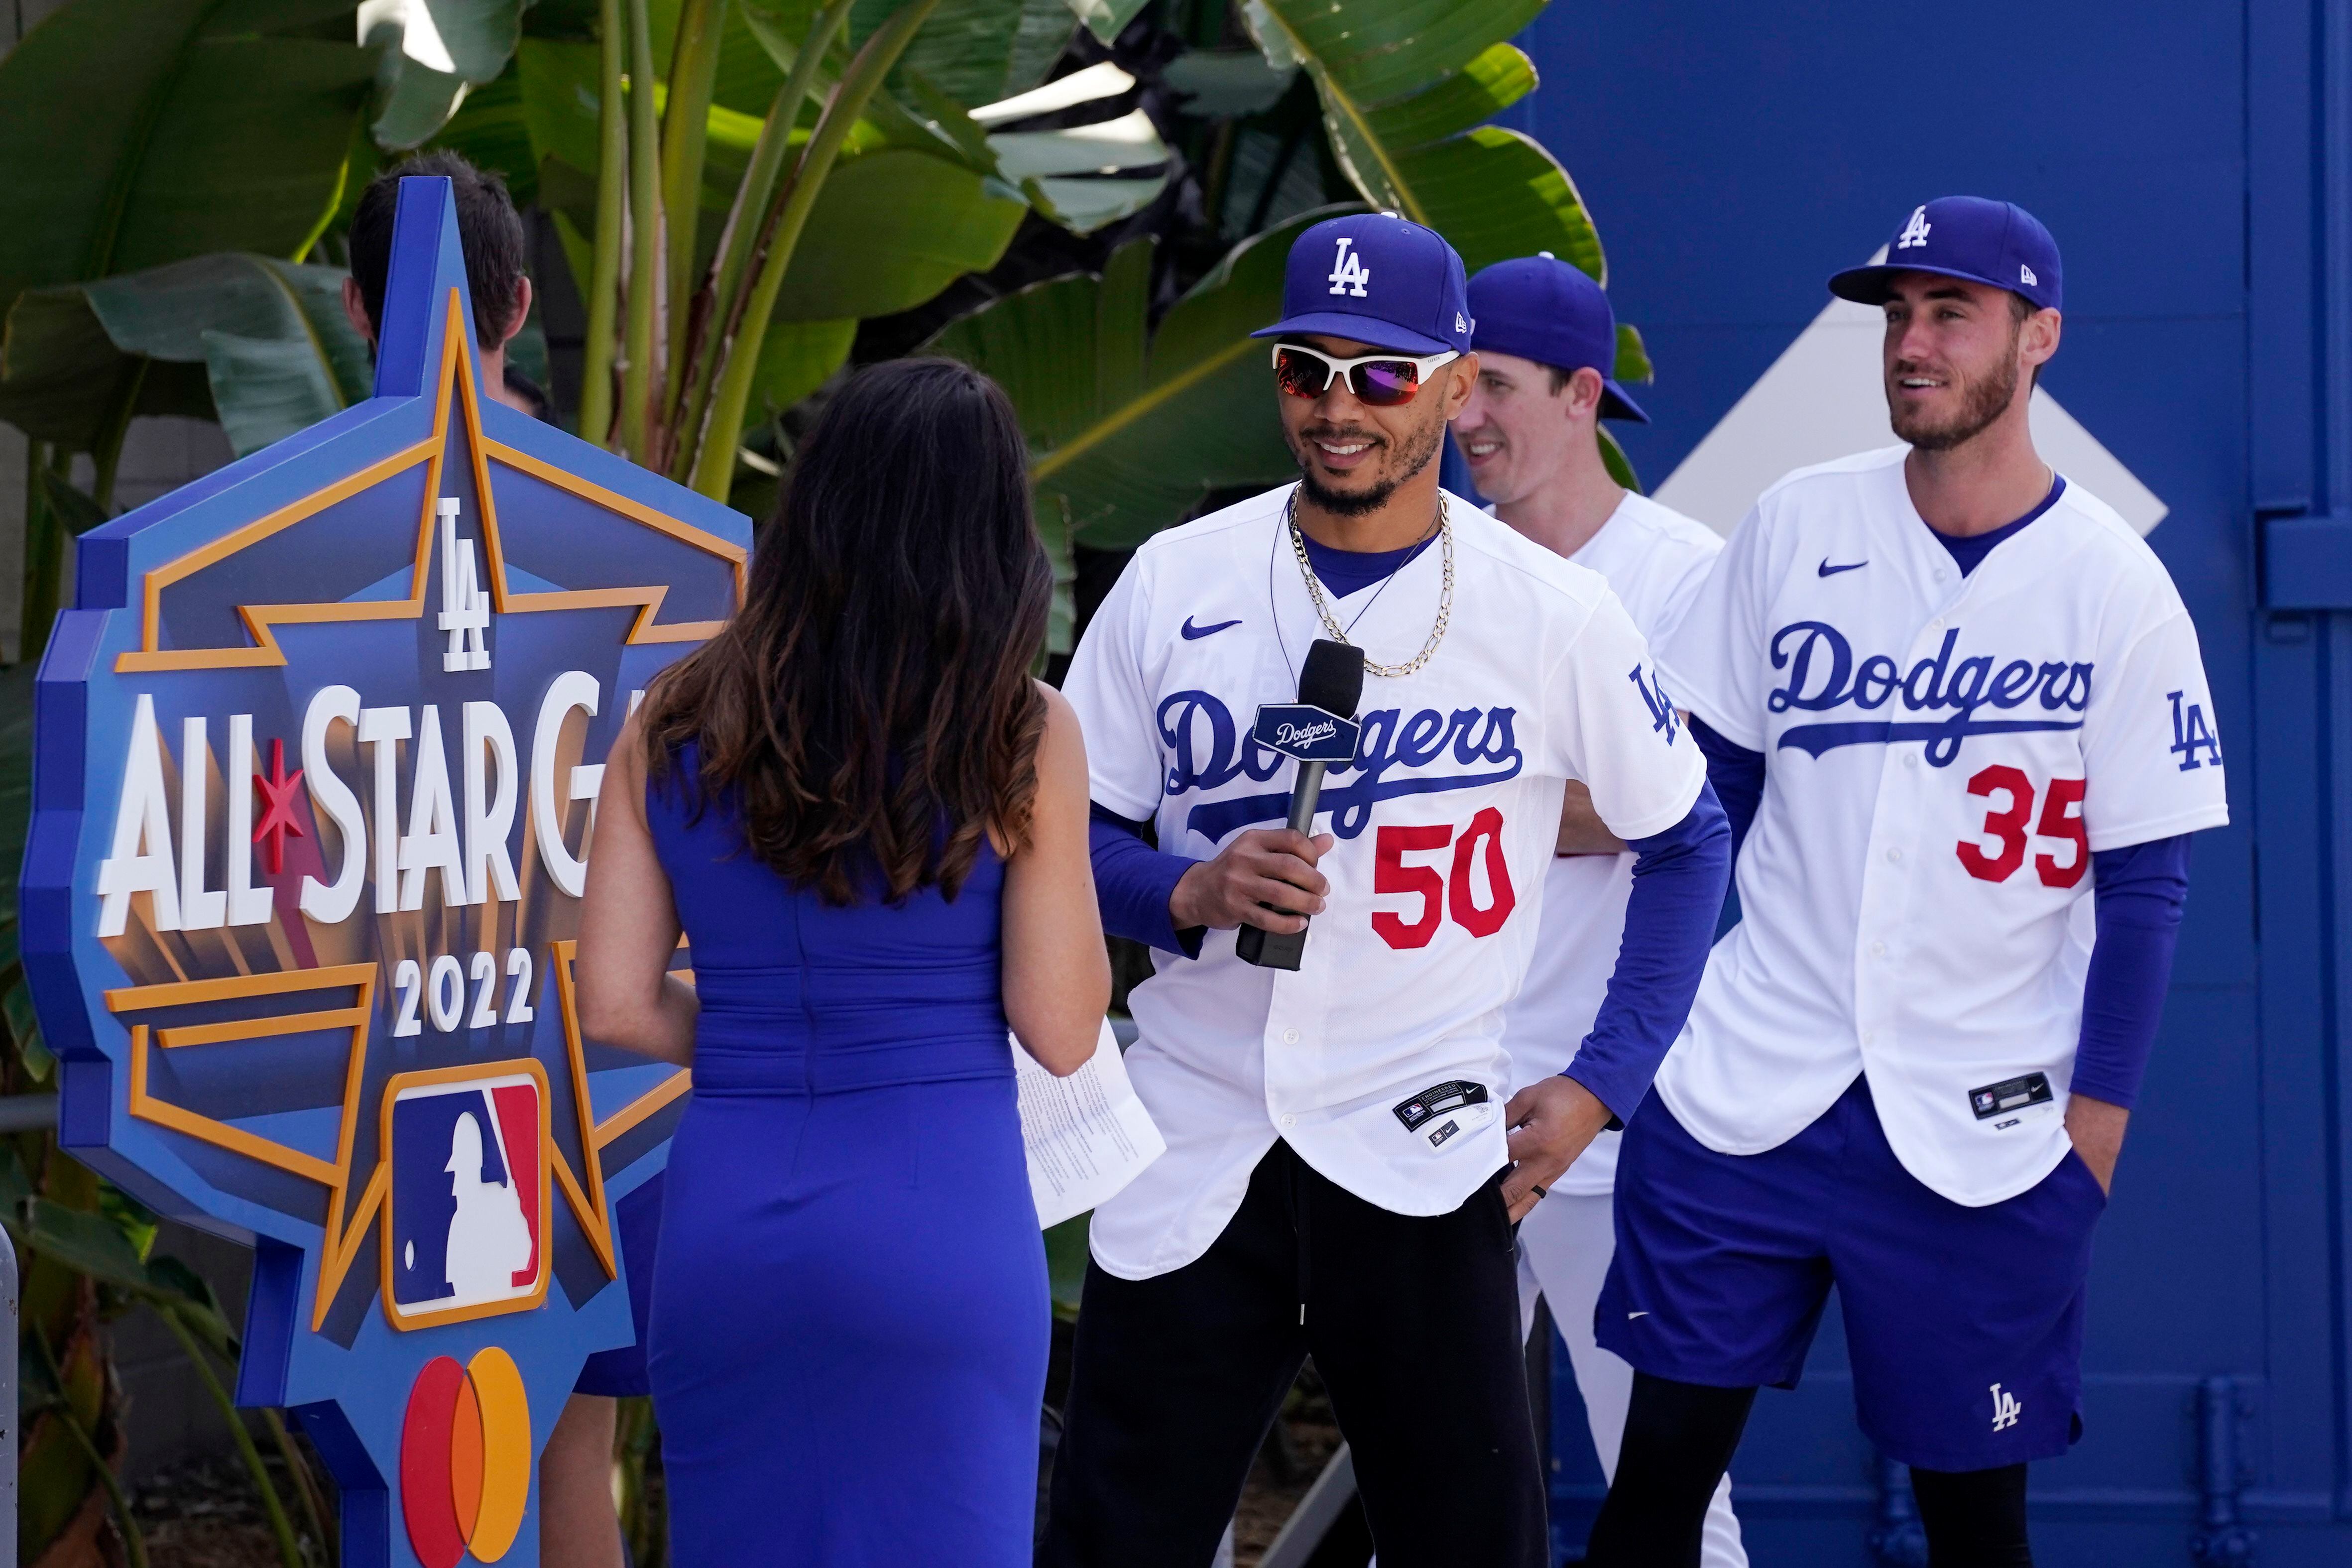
1964,1326
621,1373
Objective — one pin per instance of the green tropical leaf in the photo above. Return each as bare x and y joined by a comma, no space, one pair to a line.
1633,356
795,359
277,352
1406,86
977,51
1164,417
430,54
136,132
1215,84
86,1243
59,372
890,229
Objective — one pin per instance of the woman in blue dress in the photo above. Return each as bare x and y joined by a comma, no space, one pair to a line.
870,826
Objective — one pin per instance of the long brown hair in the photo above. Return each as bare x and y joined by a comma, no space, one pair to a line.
870,706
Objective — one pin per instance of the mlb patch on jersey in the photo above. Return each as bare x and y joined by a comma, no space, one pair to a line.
2009,1094
1437,1100
465,1232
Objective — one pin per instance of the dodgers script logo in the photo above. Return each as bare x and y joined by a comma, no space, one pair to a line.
1476,745
1822,675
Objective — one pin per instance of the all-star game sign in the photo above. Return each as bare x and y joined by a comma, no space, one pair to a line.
315,754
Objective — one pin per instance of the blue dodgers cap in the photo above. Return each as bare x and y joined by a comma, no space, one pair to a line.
1995,243
1540,308
1378,278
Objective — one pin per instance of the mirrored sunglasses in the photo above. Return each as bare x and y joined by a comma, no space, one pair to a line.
1383,381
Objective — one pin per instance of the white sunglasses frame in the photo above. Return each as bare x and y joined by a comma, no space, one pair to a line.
1422,365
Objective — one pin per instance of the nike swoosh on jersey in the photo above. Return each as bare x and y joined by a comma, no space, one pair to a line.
1826,570
1194,634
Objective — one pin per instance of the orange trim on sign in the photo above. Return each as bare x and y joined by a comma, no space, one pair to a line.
456,386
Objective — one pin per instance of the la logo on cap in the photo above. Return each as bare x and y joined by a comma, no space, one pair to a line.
1348,273
1914,232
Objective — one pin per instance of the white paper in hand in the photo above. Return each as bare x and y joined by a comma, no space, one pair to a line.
1086,1135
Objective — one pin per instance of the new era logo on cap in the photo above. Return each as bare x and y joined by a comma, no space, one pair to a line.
1998,244
1375,279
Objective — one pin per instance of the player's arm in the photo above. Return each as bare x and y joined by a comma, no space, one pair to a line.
2138,894
628,923
1581,831
1057,976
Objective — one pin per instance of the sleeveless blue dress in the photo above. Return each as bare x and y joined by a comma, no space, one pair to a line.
850,1310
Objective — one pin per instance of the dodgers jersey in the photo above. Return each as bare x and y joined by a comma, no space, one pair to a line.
1945,755
1444,826
1654,559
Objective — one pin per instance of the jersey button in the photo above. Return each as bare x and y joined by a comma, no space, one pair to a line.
1878,950
1290,1121
1289,1036
1895,857
1910,759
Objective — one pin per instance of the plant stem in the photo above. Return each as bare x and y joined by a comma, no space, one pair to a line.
289,1548
640,347
604,265
714,467
685,139
315,1512
134,1544
749,223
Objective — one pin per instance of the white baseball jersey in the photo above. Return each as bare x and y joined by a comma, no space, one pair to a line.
1445,825
1654,559
1944,756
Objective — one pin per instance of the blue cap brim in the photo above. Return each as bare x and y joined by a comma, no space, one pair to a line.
1869,285
1370,330
1616,405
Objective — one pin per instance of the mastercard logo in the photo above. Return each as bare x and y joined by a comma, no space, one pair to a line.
464,1459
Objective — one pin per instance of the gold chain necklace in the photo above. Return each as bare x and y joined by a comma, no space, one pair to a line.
1331,624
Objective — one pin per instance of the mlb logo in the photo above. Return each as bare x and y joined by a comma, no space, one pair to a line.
465,1231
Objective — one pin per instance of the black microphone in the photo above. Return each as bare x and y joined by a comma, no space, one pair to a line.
1318,730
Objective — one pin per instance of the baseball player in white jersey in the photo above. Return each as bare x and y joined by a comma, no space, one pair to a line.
1971,702
1340,1175
1546,343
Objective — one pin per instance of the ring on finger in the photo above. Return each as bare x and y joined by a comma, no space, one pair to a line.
1540,1190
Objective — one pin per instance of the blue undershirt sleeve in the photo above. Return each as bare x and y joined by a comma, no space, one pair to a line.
1737,776
1133,881
2140,890
1678,881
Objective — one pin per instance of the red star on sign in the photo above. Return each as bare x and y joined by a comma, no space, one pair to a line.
277,808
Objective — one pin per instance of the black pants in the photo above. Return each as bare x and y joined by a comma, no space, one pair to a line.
1414,1325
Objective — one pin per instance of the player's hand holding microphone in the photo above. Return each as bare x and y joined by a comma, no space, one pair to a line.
1265,881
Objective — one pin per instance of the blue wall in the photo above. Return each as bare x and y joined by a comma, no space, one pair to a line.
2189,159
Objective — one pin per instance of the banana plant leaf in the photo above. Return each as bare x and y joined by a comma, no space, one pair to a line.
795,359
1127,429
277,353
431,53
1080,176
136,132
1218,83
893,225
1407,87
61,376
